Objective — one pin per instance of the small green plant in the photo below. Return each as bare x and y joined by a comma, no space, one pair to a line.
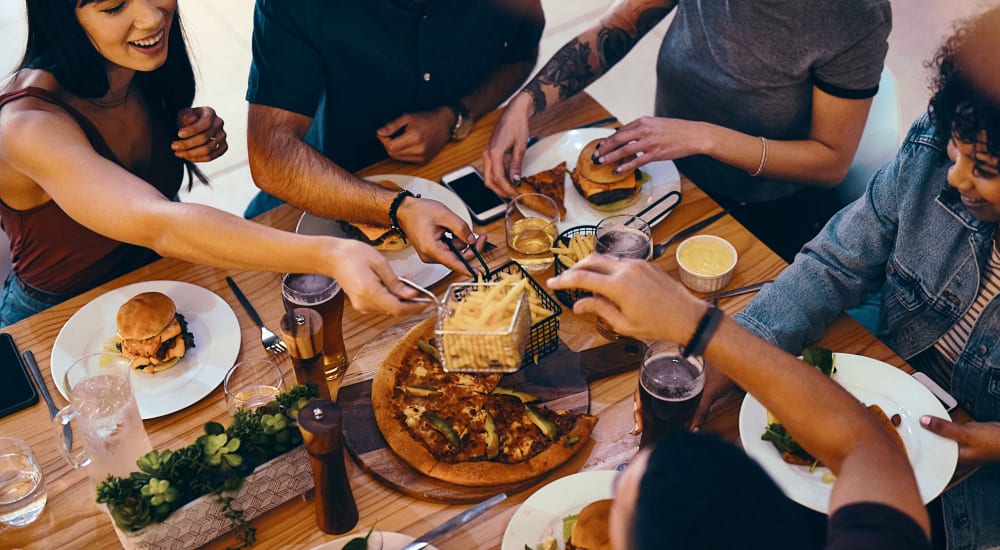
216,463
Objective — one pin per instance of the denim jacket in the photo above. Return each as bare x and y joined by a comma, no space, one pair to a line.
910,237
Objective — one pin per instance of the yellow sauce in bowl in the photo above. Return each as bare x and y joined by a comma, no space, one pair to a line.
706,257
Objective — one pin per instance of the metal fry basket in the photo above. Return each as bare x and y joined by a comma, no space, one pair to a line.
481,350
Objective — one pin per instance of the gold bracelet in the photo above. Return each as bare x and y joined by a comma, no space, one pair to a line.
763,158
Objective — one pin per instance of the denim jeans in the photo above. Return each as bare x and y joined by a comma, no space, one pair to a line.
19,303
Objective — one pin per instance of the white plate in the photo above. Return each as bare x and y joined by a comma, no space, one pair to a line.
390,541
210,319
873,382
404,262
541,515
566,146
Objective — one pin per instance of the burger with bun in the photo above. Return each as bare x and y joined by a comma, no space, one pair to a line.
382,238
600,186
151,332
590,532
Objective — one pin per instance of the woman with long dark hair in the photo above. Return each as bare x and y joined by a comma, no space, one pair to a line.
96,129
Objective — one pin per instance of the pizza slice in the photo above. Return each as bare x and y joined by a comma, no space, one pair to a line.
551,183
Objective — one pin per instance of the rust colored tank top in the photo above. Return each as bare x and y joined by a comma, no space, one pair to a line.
50,251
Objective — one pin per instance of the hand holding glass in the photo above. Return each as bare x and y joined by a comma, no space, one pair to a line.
622,236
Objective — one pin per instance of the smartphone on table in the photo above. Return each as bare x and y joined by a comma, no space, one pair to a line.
16,391
483,204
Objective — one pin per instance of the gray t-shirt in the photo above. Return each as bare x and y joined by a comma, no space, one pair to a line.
751,65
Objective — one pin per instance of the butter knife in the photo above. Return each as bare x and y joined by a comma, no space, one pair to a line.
29,361
660,248
455,522
737,291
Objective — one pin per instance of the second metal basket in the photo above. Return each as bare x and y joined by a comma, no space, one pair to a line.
569,296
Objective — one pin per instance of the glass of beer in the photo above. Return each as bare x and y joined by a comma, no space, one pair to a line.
531,230
622,236
324,295
252,383
670,388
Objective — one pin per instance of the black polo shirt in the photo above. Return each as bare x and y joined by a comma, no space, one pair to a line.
354,65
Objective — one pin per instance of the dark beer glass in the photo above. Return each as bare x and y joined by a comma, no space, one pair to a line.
670,388
324,295
622,236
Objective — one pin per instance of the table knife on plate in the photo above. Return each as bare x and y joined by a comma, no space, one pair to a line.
454,523
29,361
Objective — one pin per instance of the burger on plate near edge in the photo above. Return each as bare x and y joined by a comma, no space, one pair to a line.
151,332
602,188
382,238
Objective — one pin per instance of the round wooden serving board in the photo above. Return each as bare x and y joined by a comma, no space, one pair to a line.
561,380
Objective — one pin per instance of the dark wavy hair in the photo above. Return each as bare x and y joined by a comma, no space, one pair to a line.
58,44
962,104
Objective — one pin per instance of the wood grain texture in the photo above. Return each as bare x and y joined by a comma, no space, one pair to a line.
72,520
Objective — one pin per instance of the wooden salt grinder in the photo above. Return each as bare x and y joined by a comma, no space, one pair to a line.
319,422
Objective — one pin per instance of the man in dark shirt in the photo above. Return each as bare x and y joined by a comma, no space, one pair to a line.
336,86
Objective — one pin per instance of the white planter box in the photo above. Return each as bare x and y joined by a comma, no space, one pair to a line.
201,520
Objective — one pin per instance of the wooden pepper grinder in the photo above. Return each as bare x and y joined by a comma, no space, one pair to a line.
319,422
302,330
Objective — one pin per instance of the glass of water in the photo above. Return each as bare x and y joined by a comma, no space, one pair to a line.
22,486
622,236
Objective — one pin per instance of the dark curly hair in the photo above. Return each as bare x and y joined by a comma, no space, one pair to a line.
961,105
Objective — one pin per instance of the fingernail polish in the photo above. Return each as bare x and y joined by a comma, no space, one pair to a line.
516,180
925,420
595,159
615,171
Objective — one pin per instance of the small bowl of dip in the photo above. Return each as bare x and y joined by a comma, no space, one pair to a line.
706,262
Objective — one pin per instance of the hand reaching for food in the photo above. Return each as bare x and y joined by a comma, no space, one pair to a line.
656,138
978,442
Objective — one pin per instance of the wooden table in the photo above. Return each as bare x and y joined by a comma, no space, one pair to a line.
72,520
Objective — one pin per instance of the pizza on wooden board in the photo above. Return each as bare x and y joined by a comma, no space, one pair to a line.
464,428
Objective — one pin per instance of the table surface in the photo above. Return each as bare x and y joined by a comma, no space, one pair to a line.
72,519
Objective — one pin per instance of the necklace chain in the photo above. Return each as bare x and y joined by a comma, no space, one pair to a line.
111,103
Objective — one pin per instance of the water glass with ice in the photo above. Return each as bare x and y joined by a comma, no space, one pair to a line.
22,485
105,414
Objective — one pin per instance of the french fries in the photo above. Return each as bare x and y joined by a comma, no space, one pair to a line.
486,329
578,248
538,311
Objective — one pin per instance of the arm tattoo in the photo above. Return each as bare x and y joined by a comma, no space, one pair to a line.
613,44
569,69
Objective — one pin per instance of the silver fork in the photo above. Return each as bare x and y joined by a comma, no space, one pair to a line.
268,339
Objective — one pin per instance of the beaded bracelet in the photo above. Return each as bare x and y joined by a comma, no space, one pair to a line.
394,209
703,333
763,158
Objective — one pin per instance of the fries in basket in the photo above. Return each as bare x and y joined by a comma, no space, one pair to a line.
484,327
538,310
578,248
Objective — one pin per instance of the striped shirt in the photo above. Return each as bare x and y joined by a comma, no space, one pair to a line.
950,345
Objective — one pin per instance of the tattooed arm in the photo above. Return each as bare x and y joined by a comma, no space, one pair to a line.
581,61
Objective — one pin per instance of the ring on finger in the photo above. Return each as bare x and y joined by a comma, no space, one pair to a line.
211,138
